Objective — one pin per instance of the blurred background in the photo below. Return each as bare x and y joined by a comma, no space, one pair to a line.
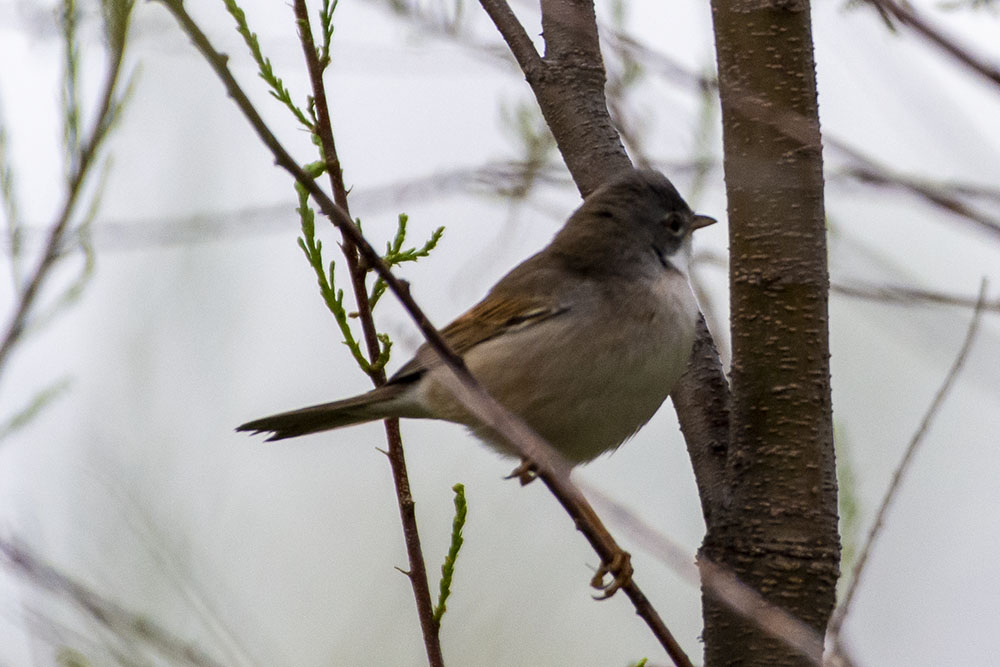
200,312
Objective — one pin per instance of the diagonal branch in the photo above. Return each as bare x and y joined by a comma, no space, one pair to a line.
551,468
908,16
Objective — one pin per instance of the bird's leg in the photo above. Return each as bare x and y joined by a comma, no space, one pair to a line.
524,473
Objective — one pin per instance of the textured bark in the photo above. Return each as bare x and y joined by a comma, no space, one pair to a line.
778,530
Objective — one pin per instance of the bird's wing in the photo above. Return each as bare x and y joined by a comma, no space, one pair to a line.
488,319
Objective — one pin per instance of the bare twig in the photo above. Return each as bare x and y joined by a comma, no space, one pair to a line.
716,578
905,13
867,170
837,622
905,295
550,467
119,620
417,572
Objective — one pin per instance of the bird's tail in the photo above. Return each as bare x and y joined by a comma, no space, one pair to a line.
375,404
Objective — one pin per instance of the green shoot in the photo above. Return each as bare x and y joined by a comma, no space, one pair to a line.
395,255
448,567
265,70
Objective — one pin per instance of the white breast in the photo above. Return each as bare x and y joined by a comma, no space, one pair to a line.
588,379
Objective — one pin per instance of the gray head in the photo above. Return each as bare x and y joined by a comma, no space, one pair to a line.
631,224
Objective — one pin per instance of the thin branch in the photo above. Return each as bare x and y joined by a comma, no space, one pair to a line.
716,578
869,171
550,467
417,572
119,620
107,108
905,295
907,15
903,468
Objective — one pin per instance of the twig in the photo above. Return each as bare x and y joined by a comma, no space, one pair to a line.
906,295
837,622
867,170
721,581
550,467
53,246
417,572
907,15
106,612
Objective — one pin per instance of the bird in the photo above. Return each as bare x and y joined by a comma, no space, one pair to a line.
583,340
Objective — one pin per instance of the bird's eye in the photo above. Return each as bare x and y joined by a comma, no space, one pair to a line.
674,222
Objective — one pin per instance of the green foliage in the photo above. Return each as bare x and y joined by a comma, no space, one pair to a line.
69,233
117,15
265,70
532,140
326,27
311,246
395,255
448,567
68,19
641,663
38,402
11,209
332,296
69,657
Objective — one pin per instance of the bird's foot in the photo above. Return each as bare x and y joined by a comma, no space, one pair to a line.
524,473
620,567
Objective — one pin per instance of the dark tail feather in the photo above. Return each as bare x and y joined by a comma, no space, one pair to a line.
364,408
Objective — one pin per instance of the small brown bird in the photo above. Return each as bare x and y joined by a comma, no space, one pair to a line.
584,340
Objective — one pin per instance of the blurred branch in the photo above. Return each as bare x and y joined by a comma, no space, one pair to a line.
42,399
866,170
83,156
543,459
906,14
842,611
904,295
885,293
120,621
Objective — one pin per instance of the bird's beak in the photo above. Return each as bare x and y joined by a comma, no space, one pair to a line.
700,221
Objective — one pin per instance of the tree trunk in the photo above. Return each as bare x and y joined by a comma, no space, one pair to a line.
778,529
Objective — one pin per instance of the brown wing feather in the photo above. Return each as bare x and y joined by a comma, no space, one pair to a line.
488,319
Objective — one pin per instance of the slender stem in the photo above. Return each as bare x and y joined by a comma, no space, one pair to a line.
397,460
57,233
904,466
